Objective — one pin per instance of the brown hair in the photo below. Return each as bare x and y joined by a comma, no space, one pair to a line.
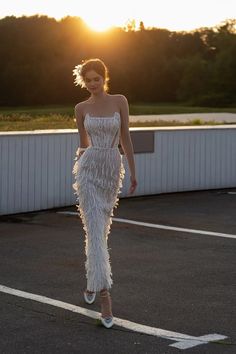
91,64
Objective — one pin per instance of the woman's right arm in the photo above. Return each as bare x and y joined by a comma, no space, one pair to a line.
84,141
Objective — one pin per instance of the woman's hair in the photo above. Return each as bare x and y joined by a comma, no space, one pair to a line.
90,64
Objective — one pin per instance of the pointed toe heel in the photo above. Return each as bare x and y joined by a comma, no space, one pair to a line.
107,322
89,298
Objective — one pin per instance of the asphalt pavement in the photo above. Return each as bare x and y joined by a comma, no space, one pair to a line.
174,272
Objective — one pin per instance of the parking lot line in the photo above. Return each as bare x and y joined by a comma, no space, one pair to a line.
182,229
182,341
165,227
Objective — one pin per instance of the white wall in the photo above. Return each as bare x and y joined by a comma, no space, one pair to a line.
36,166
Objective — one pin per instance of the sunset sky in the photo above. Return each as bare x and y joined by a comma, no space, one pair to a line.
174,15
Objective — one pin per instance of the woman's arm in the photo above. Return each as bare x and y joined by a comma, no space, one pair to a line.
84,141
126,141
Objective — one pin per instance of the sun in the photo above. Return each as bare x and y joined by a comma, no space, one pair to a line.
98,27
98,24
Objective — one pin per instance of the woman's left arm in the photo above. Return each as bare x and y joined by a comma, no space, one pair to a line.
125,138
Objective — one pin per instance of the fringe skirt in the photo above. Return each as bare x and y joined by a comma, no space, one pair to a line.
98,174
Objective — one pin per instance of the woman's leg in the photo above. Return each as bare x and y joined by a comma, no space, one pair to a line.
106,304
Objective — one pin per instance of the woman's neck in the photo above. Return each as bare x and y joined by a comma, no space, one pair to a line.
98,97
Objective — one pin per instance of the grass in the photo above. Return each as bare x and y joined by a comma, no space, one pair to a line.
171,123
62,117
22,121
170,108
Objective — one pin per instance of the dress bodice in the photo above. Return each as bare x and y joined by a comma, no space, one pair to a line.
103,132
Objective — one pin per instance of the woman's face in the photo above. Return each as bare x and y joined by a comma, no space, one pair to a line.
94,82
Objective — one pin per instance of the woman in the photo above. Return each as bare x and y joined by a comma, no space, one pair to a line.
102,121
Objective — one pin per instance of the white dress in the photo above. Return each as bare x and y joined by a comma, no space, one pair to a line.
99,172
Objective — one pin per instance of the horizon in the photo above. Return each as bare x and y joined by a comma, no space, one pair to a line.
171,15
129,21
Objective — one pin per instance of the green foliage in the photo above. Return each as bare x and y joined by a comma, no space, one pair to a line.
38,54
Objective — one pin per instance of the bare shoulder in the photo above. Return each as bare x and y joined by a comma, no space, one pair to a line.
80,106
120,101
123,106
120,98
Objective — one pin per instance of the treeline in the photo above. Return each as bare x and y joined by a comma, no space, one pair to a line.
38,54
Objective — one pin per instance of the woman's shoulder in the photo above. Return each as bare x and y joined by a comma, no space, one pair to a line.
119,97
80,105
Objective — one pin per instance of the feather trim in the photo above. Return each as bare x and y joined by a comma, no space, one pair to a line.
99,174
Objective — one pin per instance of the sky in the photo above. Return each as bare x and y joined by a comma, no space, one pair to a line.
175,15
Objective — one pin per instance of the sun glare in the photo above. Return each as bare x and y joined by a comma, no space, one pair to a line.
103,15
97,27
98,24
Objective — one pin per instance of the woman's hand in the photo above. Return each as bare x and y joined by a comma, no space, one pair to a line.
133,185
80,152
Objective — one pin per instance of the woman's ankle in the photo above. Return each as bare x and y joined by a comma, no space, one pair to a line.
104,291
106,305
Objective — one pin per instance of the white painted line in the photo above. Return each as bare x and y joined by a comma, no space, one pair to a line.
158,226
67,212
205,339
184,341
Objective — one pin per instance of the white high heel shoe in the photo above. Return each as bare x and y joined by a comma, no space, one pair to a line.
89,297
107,321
